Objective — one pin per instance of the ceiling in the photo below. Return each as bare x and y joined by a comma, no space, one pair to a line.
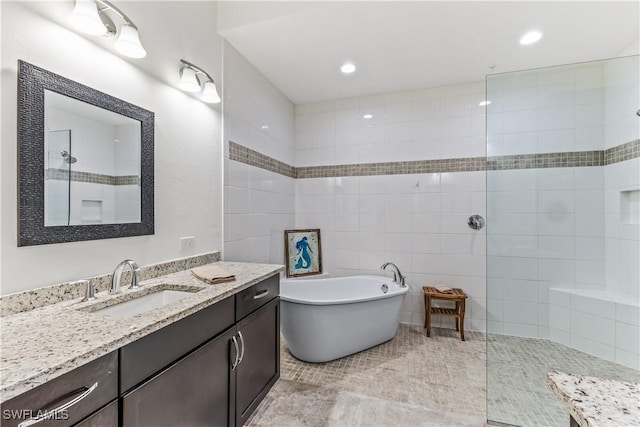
396,46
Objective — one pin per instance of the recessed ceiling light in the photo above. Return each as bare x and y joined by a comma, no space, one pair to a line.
348,68
367,116
531,37
484,103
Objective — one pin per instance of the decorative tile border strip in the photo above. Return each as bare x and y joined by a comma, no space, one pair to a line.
546,160
620,153
393,168
94,178
248,156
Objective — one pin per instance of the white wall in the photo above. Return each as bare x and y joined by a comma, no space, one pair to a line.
416,221
188,187
432,123
259,204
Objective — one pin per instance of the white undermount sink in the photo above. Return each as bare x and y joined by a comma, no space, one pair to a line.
143,303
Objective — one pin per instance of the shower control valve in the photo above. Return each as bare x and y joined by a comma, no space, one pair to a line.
475,222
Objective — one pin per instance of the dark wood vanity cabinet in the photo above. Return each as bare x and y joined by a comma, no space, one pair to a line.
211,368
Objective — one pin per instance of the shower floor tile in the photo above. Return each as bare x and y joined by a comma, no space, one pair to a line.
517,373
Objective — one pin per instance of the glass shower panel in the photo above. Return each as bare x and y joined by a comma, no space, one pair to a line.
563,174
57,182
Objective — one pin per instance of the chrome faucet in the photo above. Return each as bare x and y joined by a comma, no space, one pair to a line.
397,276
117,276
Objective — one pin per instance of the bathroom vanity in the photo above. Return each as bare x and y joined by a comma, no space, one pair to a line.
208,359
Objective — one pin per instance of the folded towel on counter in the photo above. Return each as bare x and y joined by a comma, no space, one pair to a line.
443,289
212,274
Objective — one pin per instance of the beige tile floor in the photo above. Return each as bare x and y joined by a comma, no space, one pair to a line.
411,380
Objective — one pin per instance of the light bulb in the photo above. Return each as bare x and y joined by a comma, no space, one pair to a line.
128,42
531,37
348,68
210,93
85,18
188,80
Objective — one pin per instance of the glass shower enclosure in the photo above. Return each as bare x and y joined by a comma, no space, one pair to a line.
563,233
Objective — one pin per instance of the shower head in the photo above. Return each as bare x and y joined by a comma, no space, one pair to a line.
67,158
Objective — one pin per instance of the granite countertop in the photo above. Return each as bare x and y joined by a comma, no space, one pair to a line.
597,402
44,343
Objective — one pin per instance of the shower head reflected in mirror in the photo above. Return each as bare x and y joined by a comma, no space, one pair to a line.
68,158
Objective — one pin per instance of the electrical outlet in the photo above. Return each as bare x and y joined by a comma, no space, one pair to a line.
187,245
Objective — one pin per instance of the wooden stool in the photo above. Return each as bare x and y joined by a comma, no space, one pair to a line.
457,295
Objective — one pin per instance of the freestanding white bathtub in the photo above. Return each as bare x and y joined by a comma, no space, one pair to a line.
325,319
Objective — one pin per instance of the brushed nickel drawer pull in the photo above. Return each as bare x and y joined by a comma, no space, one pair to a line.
235,362
261,294
241,351
86,391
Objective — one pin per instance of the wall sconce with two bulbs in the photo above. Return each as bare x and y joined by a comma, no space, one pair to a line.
92,19
189,82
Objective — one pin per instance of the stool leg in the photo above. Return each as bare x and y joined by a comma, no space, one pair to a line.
457,318
425,311
428,315
462,306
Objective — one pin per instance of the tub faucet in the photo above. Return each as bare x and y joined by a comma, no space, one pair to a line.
117,276
397,276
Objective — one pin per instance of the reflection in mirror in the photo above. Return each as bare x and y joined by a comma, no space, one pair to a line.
92,164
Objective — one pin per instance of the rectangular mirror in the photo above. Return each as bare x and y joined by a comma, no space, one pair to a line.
85,162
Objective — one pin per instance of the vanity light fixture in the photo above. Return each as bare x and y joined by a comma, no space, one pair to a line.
367,116
90,17
189,82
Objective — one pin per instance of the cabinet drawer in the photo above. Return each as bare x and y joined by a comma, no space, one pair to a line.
148,355
90,386
256,296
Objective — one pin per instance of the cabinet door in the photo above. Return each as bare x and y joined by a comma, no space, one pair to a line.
192,392
105,417
260,365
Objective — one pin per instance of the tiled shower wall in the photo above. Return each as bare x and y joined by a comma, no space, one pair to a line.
622,180
417,221
546,226
563,227
258,204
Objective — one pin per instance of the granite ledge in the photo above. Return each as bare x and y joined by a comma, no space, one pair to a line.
597,402
46,342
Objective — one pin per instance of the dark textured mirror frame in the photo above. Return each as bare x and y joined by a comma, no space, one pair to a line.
32,82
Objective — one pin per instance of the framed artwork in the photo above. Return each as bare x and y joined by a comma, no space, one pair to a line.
302,252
